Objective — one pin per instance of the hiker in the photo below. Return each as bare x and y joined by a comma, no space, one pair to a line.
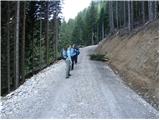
77,53
73,55
68,61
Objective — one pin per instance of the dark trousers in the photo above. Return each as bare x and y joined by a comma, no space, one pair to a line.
76,57
73,59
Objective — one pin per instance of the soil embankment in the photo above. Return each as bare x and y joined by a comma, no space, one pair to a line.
135,57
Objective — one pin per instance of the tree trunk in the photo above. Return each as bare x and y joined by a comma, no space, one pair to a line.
46,33
56,38
120,4
143,12
111,20
97,38
135,11
17,46
129,16
132,14
102,29
40,44
8,48
92,38
23,43
150,10
117,13
155,9
124,11
32,44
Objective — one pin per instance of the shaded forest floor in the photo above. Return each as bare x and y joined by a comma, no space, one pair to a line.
135,57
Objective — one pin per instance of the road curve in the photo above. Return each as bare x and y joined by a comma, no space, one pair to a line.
93,91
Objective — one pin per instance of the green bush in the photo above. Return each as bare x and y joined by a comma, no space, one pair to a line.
98,57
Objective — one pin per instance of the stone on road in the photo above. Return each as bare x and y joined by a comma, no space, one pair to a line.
93,91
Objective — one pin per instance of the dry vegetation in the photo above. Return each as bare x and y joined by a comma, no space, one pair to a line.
135,57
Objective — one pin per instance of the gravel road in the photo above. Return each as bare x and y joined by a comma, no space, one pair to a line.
93,91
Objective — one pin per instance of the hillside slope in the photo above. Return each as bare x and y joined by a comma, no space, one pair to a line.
135,57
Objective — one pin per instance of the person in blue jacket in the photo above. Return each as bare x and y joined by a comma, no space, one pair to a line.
73,55
67,57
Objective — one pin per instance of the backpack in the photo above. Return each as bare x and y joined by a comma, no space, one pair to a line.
63,54
77,51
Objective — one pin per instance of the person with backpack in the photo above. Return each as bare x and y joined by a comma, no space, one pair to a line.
77,53
73,55
67,57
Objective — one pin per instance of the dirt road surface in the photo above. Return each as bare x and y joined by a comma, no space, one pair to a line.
93,91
